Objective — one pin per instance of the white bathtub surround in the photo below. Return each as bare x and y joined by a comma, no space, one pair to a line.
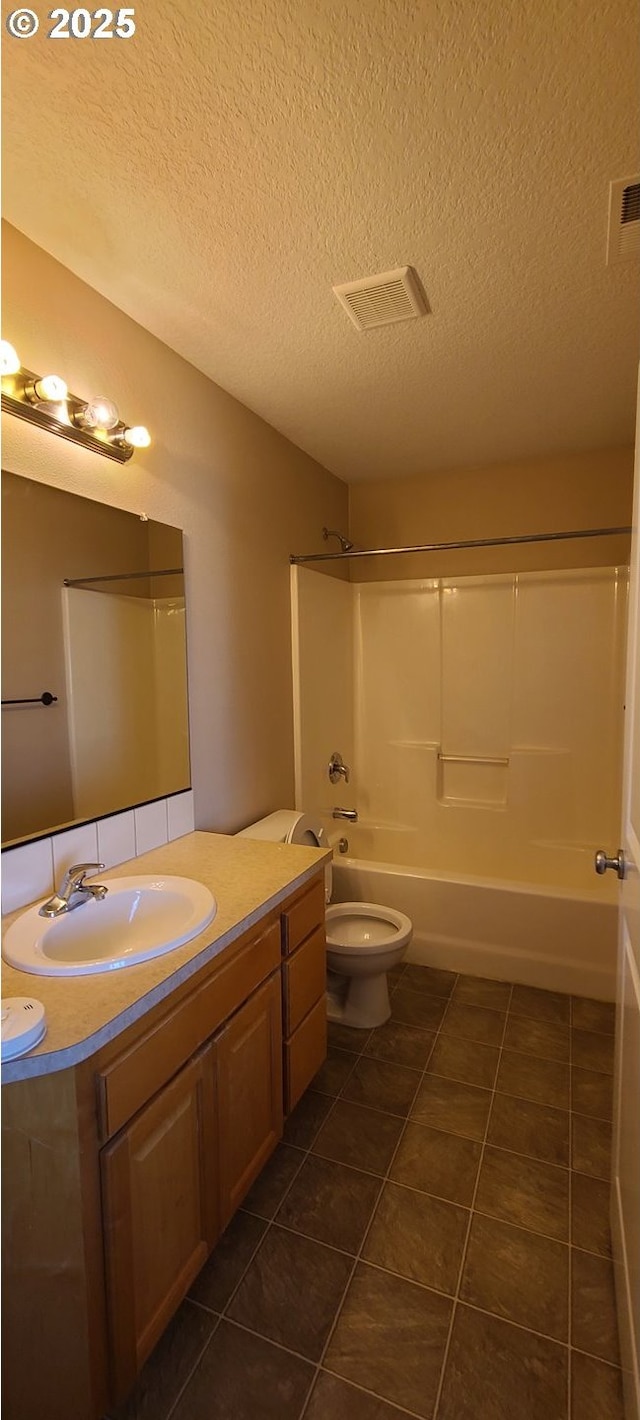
558,939
482,720
31,870
323,679
488,719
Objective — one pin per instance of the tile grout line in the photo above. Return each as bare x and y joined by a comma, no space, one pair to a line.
473,1306
494,1091
384,1179
422,1193
410,1187
537,1158
447,1001
271,1222
306,1153
465,1248
288,1350
172,1409
223,1314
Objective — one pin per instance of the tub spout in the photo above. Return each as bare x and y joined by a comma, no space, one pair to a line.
350,814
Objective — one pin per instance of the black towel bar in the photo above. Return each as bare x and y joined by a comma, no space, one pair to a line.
45,699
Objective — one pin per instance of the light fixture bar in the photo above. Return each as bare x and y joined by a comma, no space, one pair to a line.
16,400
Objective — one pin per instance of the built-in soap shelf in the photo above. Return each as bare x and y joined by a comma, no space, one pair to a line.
473,781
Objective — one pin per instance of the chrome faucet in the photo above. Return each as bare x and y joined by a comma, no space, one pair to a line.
74,891
350,814
338,769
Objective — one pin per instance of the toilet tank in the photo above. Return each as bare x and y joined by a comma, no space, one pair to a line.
288,826
291,826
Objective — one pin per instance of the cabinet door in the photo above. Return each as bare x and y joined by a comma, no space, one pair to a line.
160,1213
249,1081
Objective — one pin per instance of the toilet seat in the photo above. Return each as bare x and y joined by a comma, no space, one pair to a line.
365,928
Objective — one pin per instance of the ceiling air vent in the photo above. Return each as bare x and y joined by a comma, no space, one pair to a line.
624,220
381,300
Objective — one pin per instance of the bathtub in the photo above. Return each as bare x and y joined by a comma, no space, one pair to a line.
559,938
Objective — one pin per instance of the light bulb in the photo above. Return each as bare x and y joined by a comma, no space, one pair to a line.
138,437
51,388
99,413
9,359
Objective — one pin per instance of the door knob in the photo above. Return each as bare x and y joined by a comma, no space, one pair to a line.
616,864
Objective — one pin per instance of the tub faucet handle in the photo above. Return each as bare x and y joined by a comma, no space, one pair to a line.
338,769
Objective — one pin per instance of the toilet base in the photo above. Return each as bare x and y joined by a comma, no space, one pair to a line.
364,1004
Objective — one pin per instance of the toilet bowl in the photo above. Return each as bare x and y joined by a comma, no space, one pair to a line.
364,940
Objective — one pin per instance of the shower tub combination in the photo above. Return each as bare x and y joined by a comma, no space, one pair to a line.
481,717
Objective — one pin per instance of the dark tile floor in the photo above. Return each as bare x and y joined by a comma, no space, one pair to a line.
430,1239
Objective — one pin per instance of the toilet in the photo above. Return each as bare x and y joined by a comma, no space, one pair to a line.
364,940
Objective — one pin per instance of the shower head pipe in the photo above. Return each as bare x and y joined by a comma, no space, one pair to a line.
345,545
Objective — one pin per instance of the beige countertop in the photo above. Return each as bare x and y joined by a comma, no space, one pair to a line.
247,877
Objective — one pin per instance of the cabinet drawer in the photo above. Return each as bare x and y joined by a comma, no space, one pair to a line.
304,915
304,979
137,1075
304,1053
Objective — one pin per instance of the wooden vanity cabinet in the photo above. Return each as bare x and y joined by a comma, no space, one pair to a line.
120,1173
173,1178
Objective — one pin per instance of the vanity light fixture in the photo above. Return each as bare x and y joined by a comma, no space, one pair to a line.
9,359
137,437
99,413
49,389
45,400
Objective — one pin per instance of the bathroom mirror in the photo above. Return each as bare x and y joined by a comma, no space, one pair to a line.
93,615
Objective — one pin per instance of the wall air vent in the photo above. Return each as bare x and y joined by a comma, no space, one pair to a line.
624,220
381,300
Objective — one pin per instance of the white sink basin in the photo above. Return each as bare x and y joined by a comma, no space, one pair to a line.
140,918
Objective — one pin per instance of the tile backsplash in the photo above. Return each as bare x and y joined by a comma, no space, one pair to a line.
31,870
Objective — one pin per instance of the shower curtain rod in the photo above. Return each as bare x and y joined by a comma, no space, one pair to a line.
121,577
449,546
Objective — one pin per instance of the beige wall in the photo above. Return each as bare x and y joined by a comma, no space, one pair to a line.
551,495
243,495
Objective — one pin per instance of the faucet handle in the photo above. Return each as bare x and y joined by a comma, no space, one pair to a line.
338,769
76,875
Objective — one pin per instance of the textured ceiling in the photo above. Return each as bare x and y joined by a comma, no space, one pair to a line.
215,175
